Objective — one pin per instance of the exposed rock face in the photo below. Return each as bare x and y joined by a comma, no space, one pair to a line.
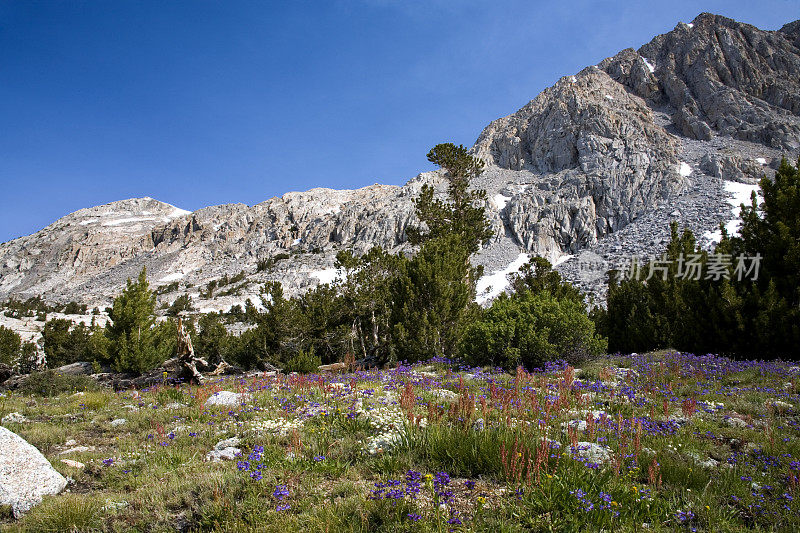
721,77
25,475
605,158
80,245
600,163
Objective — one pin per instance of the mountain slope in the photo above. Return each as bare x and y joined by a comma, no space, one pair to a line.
594,167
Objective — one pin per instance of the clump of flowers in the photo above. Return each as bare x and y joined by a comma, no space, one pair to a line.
280,427
280,493
396,489
252,465
390,423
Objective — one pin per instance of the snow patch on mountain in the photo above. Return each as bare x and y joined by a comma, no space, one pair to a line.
491,285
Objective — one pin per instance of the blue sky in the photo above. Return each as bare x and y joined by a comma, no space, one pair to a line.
201,103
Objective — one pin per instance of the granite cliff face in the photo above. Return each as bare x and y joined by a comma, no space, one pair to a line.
600,157
596,164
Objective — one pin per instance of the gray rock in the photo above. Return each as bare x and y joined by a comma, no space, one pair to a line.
579,425
224,450
111,505
81,368
735,422
118,422
226,399
607,160
444,394
731,166
25,474
709,463
73,464
593,452
227,443
77,449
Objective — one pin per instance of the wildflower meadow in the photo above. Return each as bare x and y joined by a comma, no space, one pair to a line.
657,442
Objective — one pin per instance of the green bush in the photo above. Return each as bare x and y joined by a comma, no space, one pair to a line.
529,329
305,362
51,383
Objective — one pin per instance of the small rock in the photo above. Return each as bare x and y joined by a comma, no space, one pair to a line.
751,447
580,425
227,443
75,369
735,422
77,449
118,422
224,450
444,394
593,452
71,442
111,505
73,464
709,463
227,399
778,404
225,454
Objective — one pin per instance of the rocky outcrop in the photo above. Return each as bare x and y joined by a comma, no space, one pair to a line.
731,166
604,157
25,474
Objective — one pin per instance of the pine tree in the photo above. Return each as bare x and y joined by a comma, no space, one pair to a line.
10,344
434,294
133,343
433,300
537,275
463,214
213,339
65,342
770,305
529,329
267,342
366,293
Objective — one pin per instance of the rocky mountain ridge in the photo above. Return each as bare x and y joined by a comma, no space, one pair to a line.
596,164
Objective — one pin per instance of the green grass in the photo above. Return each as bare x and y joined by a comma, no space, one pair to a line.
150,475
